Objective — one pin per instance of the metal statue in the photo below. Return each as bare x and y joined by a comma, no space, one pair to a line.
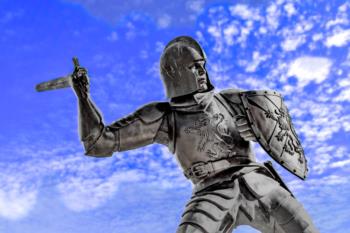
210,135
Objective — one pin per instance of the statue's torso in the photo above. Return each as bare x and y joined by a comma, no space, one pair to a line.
205,131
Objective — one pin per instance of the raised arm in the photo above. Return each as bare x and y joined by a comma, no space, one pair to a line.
145,126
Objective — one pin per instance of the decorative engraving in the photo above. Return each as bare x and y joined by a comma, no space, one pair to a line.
292,145
200,128
285,133
214,135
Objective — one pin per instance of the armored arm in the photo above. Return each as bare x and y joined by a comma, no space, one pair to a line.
91,126
146,126
139,129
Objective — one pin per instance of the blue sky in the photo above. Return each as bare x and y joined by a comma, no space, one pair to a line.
299,48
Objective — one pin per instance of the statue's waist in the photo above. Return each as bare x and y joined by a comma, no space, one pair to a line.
200,171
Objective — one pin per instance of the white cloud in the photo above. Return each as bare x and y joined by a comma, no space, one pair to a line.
84,193
195,5
241,10
344,95
304,26
321,161
17,197
218,72
331,180
159,46
229,33
335,22
326,120
164,21
113,36
290,9
344,90
344,82
257,59
16,204
338,164
245,31
244,12
338,39
341,17
214,31
292,43
325,182
315,183
295,35
309,69
317,37
273,14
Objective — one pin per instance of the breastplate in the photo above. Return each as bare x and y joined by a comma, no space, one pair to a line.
206,132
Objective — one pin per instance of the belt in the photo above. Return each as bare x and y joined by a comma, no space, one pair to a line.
203,170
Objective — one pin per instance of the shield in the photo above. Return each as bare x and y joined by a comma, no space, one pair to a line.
270,122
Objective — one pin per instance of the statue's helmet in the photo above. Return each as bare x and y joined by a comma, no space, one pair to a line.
182,67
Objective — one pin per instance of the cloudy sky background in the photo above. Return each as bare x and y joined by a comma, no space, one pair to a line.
299,48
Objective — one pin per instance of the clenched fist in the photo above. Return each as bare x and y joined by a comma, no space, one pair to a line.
80,82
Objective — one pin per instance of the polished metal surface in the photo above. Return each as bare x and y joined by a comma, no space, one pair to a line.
182,66
272,126
210,135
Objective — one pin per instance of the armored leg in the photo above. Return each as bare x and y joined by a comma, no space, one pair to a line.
190,228
210,211
283,211
252,213
288,212
259,222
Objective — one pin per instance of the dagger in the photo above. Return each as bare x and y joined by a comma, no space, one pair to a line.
58,83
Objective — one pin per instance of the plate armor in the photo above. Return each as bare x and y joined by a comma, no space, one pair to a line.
230,187
210,135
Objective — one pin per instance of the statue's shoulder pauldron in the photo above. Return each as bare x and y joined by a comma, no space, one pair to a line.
235,95
152,112
232,95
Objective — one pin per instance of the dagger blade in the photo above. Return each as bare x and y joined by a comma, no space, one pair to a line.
58,83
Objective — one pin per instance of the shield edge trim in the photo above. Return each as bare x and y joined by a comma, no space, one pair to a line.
261,140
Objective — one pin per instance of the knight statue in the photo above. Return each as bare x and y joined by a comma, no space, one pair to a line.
210,135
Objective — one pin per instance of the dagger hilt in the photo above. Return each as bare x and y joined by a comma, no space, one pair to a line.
76,63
